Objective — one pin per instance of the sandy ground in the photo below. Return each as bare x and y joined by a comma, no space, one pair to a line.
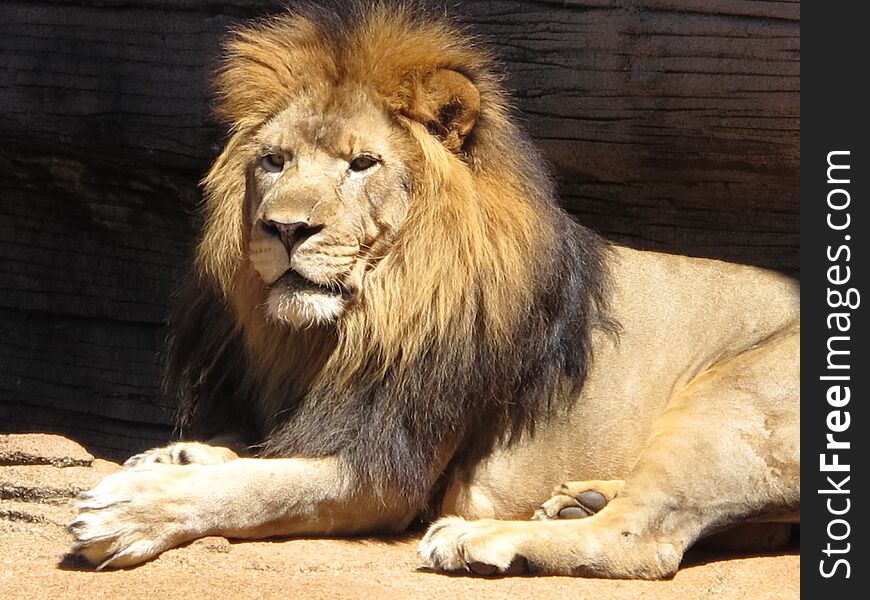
39,474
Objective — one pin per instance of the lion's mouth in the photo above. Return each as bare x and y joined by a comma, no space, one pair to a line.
292,280
301,302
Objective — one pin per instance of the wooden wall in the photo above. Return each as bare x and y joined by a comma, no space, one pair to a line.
672,125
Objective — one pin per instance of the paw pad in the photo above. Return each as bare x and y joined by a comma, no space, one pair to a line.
590,503
565,505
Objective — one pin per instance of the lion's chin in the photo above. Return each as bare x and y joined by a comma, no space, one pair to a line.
305,308
302,303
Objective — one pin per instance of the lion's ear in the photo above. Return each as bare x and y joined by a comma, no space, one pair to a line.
448,104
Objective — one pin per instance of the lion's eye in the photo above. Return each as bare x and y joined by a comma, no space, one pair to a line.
272,163
363,162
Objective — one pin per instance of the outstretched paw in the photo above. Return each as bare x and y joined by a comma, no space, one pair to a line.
578,499
132,516
182,453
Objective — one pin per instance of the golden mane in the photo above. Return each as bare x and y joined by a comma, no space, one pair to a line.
488,294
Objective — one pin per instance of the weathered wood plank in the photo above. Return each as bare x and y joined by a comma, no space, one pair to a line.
90,240
96,380
655,98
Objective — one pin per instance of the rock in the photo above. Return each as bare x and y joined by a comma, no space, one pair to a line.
45,483
31,513
42,449
39,475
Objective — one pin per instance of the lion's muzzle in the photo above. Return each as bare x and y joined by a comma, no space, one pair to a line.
293,296
273,244
268,255
290,234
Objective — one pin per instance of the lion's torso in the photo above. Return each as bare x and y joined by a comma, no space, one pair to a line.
678,316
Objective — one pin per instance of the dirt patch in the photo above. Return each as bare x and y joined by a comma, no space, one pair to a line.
33,561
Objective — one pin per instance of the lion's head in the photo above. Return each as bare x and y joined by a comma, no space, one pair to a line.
379,233
328,190
338,140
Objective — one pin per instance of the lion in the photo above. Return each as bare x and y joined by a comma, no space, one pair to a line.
389,317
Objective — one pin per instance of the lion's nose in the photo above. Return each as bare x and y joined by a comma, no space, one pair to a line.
291,234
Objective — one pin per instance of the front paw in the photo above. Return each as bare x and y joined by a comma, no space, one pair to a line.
485,547
132,516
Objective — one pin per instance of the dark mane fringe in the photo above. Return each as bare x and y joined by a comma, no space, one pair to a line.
397,433
206,372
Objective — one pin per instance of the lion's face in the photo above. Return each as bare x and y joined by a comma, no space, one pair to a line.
339,146
327,191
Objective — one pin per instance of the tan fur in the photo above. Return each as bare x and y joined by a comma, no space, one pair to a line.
687,422
695,408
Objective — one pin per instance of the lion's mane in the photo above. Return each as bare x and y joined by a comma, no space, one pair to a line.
481,325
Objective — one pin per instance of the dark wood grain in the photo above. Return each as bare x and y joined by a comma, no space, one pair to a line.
671,125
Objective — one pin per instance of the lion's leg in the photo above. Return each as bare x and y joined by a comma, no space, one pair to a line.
725,451
217,450
136,514
581,499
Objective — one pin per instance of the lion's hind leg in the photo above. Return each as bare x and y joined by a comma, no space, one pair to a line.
578,499
725,452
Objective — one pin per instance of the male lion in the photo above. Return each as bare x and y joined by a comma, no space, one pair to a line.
390,313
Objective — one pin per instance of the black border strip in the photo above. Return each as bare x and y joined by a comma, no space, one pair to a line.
833,261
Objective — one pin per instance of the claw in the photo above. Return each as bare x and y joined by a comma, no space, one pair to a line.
75,526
